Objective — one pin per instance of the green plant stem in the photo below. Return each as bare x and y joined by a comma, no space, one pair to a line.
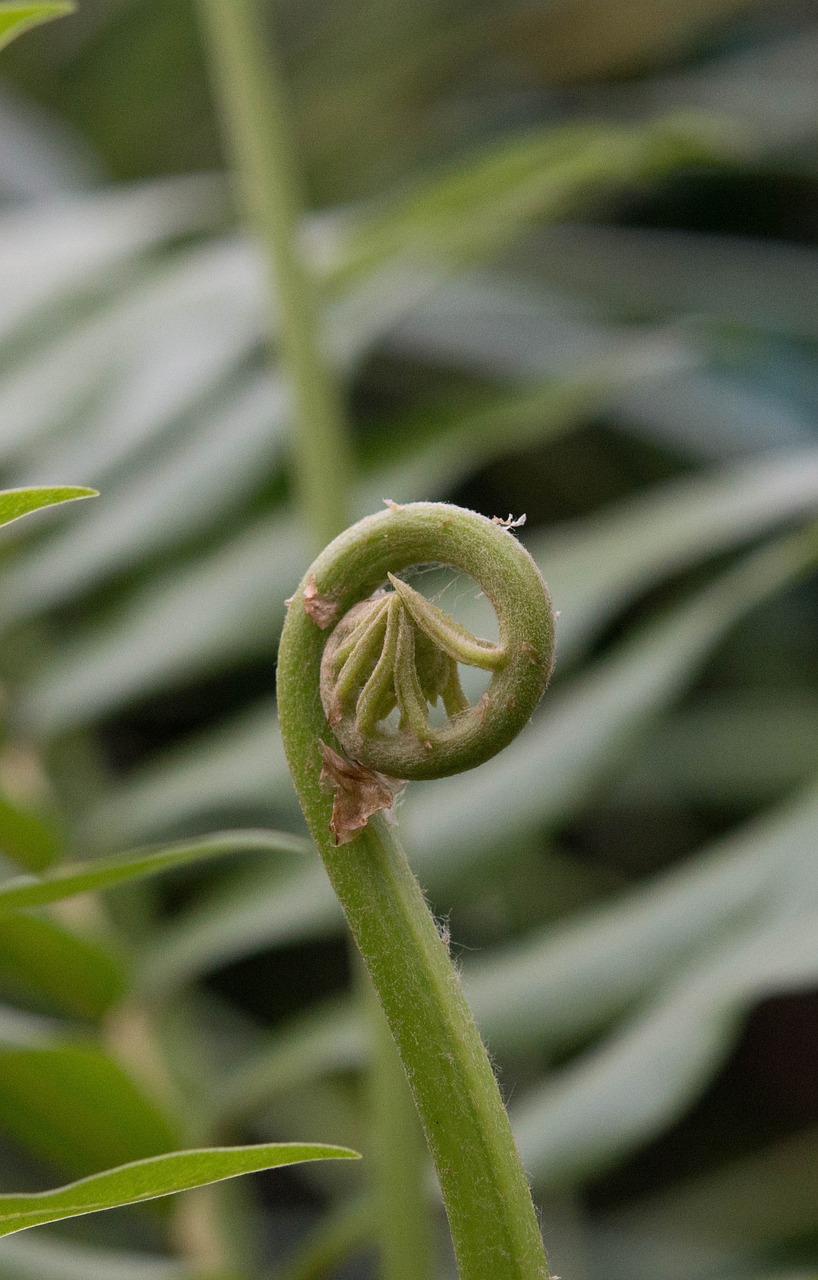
253,106
492,1219
252,102
401,1165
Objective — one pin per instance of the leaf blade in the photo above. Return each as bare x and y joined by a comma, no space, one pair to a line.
647,1073
70,1103
15,503
119,869
37,952
157,1176
18,18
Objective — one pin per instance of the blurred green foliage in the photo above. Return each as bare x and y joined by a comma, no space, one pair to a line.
568,263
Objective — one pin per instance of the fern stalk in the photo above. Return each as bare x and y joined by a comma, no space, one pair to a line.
492,1219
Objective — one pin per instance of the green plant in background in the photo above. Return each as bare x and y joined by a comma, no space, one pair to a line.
631,876
164,1174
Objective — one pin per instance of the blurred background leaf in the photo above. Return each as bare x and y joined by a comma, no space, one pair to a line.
567,258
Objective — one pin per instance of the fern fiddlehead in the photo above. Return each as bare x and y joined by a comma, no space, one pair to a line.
351,654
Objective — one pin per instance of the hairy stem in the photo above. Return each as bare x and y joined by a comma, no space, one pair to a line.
491,1215
401,1163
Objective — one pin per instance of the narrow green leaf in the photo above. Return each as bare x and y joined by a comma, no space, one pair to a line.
632,1086
452,638
17,18
28,838
159,1176
484,203
72,1104
168,494
121,868
15,503
75,975
53,248
561,985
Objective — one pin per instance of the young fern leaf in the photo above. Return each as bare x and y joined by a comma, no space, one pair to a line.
394,649
398,650
443,631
